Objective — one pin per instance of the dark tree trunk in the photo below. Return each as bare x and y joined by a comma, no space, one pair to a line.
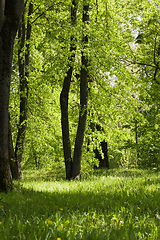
64,99
23,63
76,165
103,162
73,167
10,13
65,124
12,160
136,139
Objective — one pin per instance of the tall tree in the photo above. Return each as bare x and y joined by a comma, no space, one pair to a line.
76,168
24,36
10,14
12,160
64,98
73,166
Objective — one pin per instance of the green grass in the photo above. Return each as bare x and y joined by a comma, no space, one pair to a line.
115,204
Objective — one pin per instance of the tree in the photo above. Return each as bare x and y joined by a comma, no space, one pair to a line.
101,149
73,166
64,99
31,94
24,36
10,14
143,60
76,166
66,43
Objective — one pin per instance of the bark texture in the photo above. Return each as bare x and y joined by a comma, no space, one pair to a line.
76,165
10,13
64,99
12,160
73,166
23,63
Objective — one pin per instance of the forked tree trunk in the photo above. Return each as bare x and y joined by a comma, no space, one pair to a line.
73,167
76,165
64,99
10,13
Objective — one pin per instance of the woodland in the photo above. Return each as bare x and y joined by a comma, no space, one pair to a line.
79,86
79,119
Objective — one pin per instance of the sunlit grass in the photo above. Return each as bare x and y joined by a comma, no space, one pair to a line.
44,175
114,204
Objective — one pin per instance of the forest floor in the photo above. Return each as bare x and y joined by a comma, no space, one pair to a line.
109,204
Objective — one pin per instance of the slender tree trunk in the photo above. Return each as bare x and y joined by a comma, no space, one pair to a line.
76,165
65,124
10,13
64,99
12,160
104,163
73,168
136,140
23,63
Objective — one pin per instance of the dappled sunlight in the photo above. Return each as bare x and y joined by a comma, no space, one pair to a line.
111,206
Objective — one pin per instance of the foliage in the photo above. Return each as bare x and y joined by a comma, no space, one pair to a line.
123,52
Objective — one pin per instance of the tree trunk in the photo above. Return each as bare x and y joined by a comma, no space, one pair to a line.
136,140
10,13
73,168
23,64
12,160
104,163
76,165
65,124
64,99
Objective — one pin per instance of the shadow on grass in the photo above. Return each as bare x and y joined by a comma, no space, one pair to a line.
29,204
107,200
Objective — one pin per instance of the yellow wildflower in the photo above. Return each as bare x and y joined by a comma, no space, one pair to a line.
49,222
0,223
61,209
58,238
115,219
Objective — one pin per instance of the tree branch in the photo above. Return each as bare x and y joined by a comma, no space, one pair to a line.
43,13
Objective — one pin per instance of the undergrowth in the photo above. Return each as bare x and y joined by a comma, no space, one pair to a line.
110,204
